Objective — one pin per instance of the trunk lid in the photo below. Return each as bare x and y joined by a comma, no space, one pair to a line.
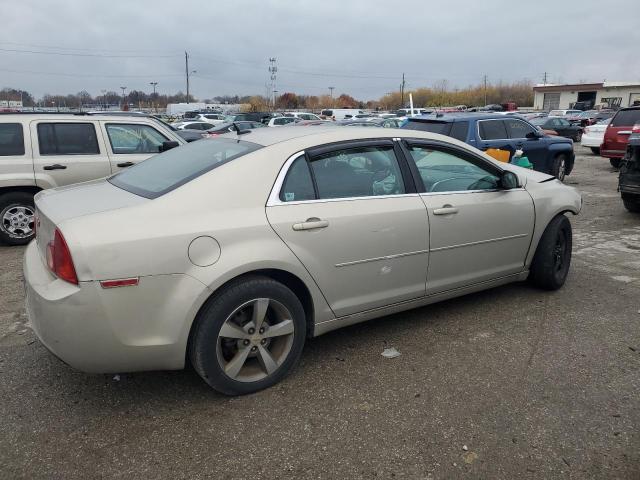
56,205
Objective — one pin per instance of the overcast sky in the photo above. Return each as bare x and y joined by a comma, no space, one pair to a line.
360,47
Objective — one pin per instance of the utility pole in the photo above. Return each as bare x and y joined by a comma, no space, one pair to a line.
273,69
331,95
544,78
123,97
104,99
153,98
485,89
402,92
186,69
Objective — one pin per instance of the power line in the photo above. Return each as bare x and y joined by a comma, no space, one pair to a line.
54,47
91,75
68,54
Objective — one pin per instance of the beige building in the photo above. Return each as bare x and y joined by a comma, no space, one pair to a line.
612,94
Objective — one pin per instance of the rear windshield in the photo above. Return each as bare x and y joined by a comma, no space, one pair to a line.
433,126
626,118
167,171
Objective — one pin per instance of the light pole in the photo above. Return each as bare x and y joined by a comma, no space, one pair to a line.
331,95
104,99
153,98
123,97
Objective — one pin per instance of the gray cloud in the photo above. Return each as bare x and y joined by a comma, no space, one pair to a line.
360,47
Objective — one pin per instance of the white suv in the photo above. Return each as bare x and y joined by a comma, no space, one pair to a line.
39,151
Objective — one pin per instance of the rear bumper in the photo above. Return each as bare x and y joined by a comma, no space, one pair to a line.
608,153
111,330
591,141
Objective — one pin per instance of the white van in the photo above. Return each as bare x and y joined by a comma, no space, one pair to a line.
340,113
39,151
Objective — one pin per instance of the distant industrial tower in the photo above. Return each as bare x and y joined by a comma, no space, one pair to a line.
273,69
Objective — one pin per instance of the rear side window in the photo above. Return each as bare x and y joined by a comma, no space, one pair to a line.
492,130
11,139
67,139
459,131
298,185
357,172
167,171
443,128
134,138
626,118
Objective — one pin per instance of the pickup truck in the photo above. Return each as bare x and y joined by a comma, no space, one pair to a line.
548,154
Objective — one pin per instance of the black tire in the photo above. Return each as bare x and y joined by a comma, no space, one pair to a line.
595,150
551,262
631,203
204,349
615,162
578,137
11,205
559,167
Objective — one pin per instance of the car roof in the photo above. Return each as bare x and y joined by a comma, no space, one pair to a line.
459,117
319,134
75,116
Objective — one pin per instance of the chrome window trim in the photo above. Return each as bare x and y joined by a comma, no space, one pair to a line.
471,191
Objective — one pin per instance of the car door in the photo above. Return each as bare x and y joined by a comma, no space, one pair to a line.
351,214
66,152
130,143
524,137
478,231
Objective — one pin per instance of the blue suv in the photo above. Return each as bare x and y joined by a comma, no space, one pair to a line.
548,154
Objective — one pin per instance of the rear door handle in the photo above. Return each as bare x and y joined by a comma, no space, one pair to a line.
310,224
445,210
55,166
125,164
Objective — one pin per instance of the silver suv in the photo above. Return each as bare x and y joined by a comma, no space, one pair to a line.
40,151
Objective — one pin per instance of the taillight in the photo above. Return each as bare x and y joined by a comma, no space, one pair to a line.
636,128
59,259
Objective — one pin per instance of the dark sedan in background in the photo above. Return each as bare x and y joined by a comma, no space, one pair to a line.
562,127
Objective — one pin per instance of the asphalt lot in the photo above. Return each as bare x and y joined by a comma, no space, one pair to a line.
534,384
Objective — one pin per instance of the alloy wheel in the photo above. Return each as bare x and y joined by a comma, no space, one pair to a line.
17,221
255,340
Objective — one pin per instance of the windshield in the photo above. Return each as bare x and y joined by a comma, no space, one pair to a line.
169,170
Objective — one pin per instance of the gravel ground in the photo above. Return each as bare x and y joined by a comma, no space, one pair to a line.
507,383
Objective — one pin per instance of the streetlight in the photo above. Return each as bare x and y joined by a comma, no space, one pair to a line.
331,95
123,97
104,99
153,103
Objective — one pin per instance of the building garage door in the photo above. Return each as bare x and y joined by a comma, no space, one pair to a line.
551,101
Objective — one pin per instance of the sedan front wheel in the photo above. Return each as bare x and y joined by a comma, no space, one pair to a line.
248,336
550,265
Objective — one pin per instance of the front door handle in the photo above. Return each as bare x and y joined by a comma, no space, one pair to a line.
55,166
445,210
310,224
125,164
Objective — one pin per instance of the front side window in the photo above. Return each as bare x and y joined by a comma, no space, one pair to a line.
11,139
492,130
357,172
459,131
169,170
445,172
518,129
134,138
67,139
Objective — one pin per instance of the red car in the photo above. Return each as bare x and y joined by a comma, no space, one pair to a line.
616,136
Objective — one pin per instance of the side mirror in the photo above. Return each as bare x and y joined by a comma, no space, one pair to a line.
168,146
509,180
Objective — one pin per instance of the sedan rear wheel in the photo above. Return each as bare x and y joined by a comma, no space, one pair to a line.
550,265
578,137
248,336
595,150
